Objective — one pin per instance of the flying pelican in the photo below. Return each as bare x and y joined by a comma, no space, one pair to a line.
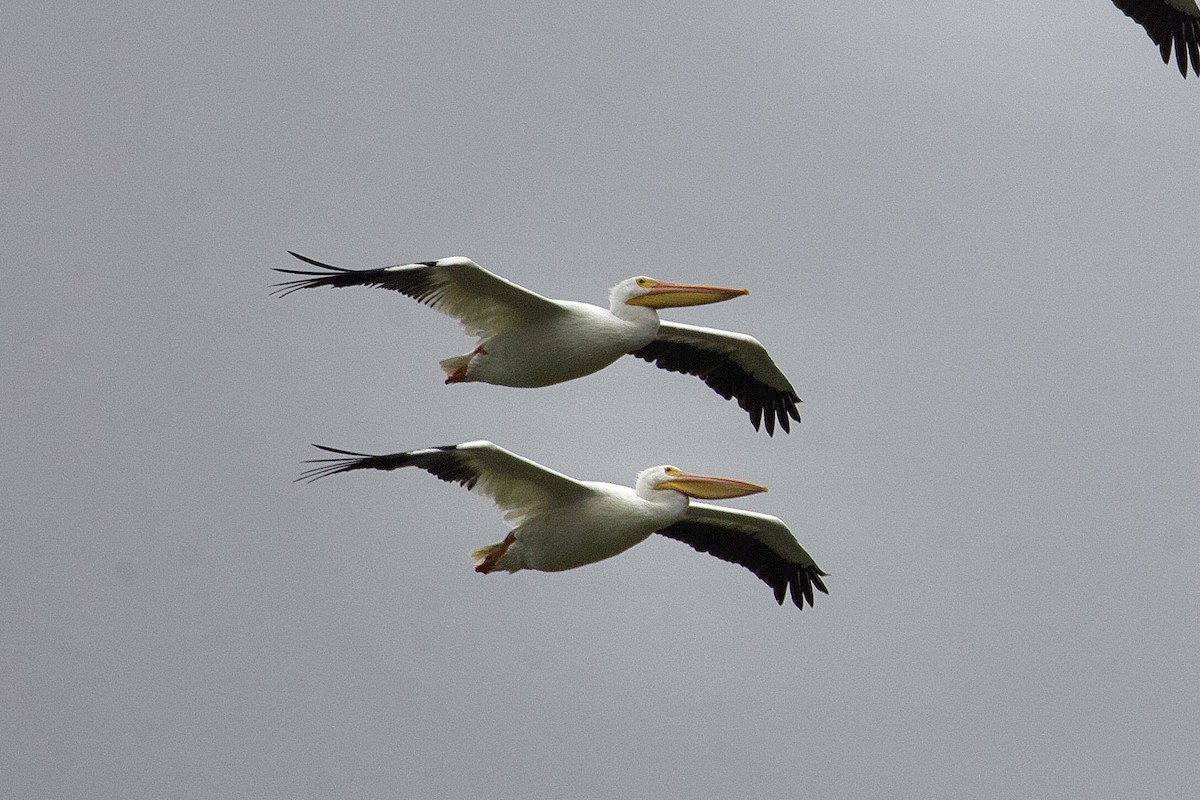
1169,22
527,340
558,523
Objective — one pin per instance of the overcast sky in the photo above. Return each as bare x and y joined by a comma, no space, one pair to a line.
970,238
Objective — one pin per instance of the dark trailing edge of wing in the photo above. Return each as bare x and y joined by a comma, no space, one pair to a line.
724,376
442,462
1167,26
414,282
773,569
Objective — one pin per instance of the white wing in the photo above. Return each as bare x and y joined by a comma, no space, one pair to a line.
521,487
1169,23
482,301
758,542
732,364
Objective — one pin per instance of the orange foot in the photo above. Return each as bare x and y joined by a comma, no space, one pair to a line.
459,375
486,557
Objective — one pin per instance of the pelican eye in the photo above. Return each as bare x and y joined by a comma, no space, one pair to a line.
672,472
645,283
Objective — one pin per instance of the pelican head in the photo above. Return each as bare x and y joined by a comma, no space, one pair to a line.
704,487
648,292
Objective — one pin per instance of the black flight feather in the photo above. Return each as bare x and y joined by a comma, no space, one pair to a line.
728,379
442,462
1167,27
773,569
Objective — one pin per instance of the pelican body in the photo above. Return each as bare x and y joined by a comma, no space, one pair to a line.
558,523
550,349
527,340
603,521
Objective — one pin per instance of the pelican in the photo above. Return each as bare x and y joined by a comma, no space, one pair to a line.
1169,22
528,340
558,523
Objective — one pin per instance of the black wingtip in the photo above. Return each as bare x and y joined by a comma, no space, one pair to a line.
329,275
316,263
340,452
802,582
286,288
815,574
330,466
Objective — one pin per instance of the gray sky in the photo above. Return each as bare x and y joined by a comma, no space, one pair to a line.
970,241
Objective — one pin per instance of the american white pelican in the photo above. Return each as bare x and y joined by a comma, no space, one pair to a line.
558,523
527,340
1169,22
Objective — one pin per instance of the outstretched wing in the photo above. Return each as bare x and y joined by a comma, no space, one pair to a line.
760,543
1169,25
734,365
482,301
519,486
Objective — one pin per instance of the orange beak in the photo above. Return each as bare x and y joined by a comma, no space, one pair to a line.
670,295
708,487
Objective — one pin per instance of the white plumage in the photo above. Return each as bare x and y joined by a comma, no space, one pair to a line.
558,523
